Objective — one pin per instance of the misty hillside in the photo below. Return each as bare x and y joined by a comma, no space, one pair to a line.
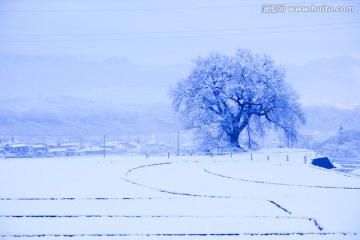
114,80
64,95
326,120
68,115
327,80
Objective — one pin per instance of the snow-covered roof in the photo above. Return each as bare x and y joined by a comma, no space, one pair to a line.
40,145
18,145
53,150
69,144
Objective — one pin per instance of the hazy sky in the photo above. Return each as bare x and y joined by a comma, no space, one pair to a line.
164,32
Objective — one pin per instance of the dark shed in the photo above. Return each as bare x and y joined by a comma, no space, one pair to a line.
323,162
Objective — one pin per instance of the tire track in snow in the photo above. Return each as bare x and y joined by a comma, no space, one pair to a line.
159,216
162,190
272,202
209,196
182,234
131,216
280,184
277,205
336,171
88,199
144,166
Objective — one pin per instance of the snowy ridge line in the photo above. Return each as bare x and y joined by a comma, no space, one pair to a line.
128,216
344,174
278,205
153,216
179,234
234,153
87,199
144,166
160,216
174,193
285,210
212,161
162,190
354,174
316,223
281,184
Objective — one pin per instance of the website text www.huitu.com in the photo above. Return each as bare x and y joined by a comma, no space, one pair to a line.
282,8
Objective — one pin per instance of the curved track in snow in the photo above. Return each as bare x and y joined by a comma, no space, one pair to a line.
274,217
280,184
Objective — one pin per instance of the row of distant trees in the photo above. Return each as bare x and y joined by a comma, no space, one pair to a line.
345,145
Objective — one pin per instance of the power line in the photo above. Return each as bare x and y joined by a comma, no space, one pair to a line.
143,9
123,10
71,1
61,1
172,32
175,37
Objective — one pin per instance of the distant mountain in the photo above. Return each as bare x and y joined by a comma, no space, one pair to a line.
327,120
69,115
62,95
114,80
327,80
333,80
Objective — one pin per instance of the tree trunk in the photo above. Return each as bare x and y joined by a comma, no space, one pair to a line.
234,137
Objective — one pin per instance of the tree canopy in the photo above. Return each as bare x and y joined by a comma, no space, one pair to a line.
230,101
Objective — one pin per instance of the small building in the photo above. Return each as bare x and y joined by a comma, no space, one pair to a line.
58,152
93,150
40,149
17,150
323,162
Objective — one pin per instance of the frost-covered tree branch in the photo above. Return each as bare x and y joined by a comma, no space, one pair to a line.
224,96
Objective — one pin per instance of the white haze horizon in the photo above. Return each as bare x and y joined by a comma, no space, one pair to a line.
127,52
81,58
118,81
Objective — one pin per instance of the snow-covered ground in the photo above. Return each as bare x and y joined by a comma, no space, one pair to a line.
276,195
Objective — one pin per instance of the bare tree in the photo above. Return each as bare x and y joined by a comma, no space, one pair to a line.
228,96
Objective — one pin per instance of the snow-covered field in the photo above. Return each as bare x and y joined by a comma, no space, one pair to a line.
276,195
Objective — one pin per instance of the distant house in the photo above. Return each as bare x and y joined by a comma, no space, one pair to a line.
58,152
153,146
111,145
120,148
93,150
17,150
40,149
64,149
132,146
